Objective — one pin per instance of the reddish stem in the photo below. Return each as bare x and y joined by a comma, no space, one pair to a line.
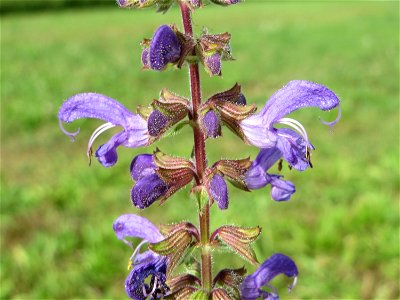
200,156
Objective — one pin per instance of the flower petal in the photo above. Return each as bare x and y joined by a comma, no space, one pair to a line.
107,153
156,122
164,48
142,165
213,64
130,225
219,191
256,178
273,266
93,105
147,190
293,148
281,190
266,158
298,94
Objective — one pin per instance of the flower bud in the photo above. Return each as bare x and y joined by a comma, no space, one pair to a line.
213,64
225,2
156,123
211,125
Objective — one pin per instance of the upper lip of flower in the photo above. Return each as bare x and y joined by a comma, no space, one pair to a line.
93,105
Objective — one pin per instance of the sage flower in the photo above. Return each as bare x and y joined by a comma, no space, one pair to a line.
294,144
93,105
149,186
257,176
219,191
145,265
268,270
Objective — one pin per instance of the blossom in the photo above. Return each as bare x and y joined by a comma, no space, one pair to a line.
256,176
93,105
211,124
145,265
149,186
294,144
276,264
219,191
164,48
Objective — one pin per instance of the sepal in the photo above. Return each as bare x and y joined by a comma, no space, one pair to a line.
235,171
221,294
225,2
238,239
230,279
174,246
182,281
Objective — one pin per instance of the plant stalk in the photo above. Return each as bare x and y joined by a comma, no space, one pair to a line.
200,157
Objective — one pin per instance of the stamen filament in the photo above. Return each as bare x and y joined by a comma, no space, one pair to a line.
295,125
136,251
154,285
293,284
330,124
99,130
70,134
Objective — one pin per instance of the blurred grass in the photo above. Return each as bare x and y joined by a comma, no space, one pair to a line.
342,225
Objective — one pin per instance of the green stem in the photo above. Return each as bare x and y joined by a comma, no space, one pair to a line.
200,157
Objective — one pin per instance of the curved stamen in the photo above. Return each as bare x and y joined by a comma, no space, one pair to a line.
154,285
290,287
330,124
145,294
99,130
136,251
295,125
70,134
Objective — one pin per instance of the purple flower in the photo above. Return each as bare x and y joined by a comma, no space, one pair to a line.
294,144
156,122
92,105
149,186
211,125
219,191
268,270
148,275
256,176
164,48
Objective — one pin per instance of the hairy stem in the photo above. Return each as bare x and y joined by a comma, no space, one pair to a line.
200,157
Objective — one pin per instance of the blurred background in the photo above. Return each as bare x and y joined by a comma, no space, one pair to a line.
342,225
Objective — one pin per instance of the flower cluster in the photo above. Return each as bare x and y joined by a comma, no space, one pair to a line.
157,176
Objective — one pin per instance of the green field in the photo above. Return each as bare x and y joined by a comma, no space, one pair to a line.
342,225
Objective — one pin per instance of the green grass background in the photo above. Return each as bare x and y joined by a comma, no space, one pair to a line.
342,225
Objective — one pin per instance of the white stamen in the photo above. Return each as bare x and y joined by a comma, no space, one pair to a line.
70,134
99,130
295,125
154,286
330,124
290,287
144,291
136,251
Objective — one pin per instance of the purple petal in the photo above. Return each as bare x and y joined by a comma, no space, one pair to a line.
281,190
293,148
164,48
257,133
147,190
136,285
92,105
211,124
219,191
273,266
156,122
107,153
298,94
213,64
256,178
142,165
266,158
130,225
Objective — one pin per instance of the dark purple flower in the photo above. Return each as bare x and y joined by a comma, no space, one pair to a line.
149,186
294,144
257,176
251,288
164,48
148,275
213,64
92,105
211,125
156,122
219,191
